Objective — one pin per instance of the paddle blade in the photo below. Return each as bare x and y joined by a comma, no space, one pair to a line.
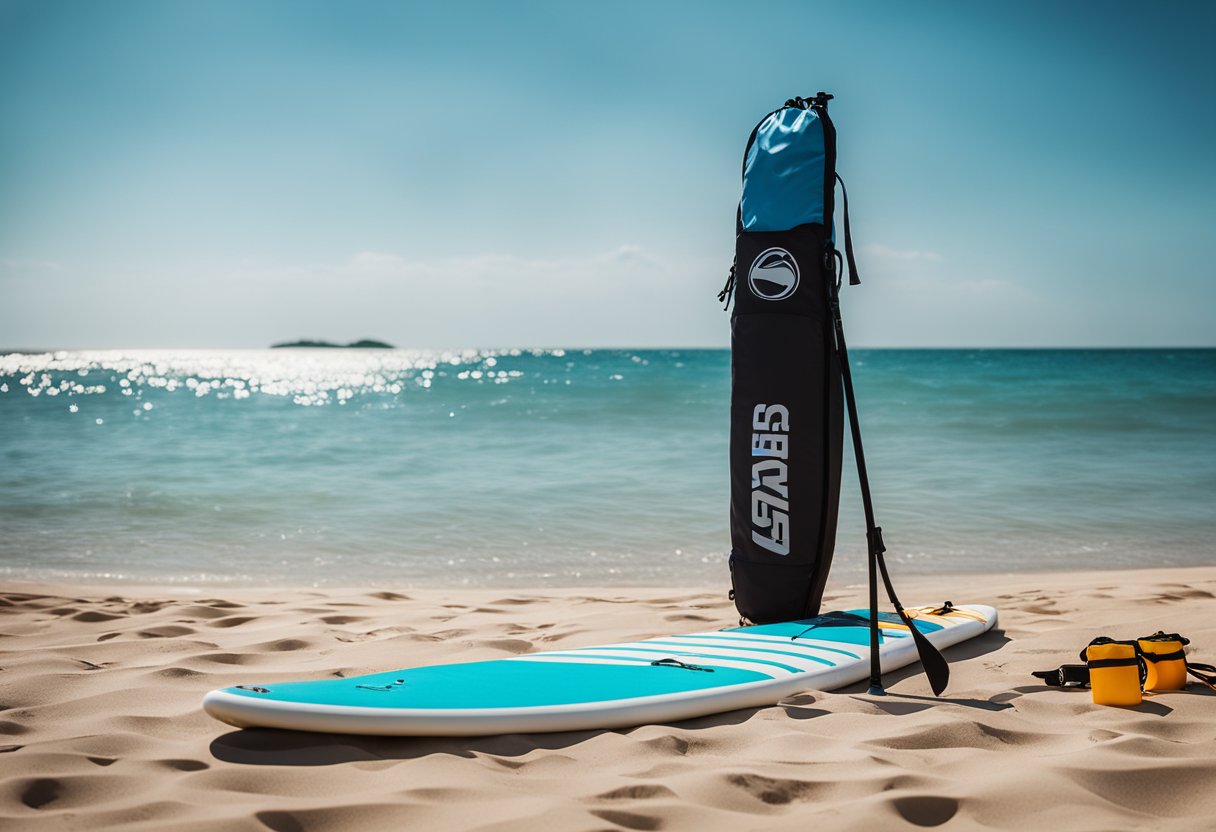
931,659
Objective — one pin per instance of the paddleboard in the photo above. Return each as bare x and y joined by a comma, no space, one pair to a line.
607,686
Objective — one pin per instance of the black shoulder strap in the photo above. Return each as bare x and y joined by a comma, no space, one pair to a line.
854,278
1205,673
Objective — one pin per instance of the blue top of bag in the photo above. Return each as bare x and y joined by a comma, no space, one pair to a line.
783,172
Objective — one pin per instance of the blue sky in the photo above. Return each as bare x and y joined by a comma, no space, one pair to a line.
495,174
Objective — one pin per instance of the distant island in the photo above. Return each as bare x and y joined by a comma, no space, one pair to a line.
364,344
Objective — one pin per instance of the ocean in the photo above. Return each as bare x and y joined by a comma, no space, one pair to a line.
544,468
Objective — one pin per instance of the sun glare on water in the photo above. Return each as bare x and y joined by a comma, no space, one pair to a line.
308,377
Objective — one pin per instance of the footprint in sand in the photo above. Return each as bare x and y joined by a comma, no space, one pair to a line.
280,821
343,619
773,791
629,820
41,792
449,635
1184,591
11,728
926,810
142,607
231,621
669,744
227,658
168,631
284,645
182,765
641,791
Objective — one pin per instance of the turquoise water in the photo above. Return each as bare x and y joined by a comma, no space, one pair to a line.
557,468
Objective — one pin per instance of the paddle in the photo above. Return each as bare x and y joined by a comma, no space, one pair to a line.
931,659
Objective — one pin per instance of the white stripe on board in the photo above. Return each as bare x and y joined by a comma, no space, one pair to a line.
660,648
579,659
771,650
807,640
736,652
595,656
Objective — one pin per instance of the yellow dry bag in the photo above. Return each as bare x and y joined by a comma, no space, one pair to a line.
1116,671
1165,660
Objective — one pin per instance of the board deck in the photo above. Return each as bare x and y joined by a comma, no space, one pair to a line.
605,686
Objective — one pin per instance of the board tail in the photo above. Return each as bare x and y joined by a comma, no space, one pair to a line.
790,379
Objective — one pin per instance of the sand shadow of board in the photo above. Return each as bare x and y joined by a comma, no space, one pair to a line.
274,747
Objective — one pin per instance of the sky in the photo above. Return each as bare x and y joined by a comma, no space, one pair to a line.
489,174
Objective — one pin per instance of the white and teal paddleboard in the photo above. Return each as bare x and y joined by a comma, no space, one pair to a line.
612,686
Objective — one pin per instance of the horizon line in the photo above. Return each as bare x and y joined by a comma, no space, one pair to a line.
623,348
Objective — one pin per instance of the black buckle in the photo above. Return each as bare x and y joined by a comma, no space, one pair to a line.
1065,676
819,102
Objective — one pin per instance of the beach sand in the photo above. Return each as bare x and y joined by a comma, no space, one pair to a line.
101,726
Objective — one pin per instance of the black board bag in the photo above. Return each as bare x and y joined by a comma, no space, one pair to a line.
790,381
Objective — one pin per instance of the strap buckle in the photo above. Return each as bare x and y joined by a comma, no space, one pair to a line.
1065,676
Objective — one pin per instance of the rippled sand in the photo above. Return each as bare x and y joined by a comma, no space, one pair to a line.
100,724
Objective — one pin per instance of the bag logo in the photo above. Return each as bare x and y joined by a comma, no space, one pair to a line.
773,275
770,477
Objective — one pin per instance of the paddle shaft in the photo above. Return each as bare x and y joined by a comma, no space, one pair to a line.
934,665
863,478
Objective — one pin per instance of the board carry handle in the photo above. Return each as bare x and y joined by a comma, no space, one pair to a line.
672,662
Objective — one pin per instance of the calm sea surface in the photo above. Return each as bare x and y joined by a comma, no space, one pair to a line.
550,468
